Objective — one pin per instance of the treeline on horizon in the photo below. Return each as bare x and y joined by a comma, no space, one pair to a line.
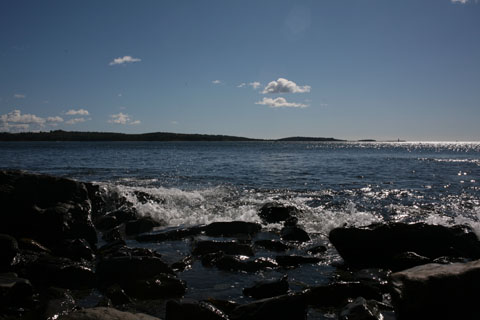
60,135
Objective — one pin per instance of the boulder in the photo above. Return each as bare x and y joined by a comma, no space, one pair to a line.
232,228
8,251
157,287
103,313
190,309
227,247
117,295
273,245
238,263
317,250
268,289
377,245
45,208
26,244
182,265
106,222
294,233
140,225
294,261
275,213
285,307
437,291
170,234
361,309
14,290
58,302
76,249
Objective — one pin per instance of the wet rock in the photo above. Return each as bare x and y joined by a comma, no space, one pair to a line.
160,286
232,228
60,272
14,290
122,270
294,233
106,222
170,234
407,260
268,289
317,250
140,225
294,261
377,244
273,245
117,295
45,208
190,309
103,313
119,249
8,251
435,291
182,265
360,309
286,307
238,263
227,247
226,306
113,235
124,214
74,249
32,245
337,294
59,302
290,222
274,212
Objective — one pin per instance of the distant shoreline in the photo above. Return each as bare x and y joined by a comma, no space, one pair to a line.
60,135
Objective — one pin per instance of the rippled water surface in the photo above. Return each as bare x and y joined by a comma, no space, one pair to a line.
333,183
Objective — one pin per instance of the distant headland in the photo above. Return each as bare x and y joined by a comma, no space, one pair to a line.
60,135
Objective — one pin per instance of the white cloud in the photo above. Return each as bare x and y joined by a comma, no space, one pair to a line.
122,118
255,85
216,81
80,112
241,85
280,103
125,59
174,122
54,119
16,121
285,86
75,120
460,1
19,96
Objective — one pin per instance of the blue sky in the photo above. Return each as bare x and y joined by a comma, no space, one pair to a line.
348,69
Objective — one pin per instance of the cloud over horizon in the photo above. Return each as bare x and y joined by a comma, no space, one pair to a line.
283,85
216,81
280,102
17,121
460,1
122,118
80,112
19,96
75,120
124,59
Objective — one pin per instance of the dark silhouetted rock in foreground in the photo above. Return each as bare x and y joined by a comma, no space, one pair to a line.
286,307
190,309
377,245
140,225
227,247
361,309
275,212
338,293
170,234
14,290
8,251
231,228
273,245
294,233
103,313
436,291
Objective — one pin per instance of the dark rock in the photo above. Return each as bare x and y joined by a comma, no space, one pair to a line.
122,270
295,261
74,249
124,214
273,245
113,235
45,208
160,286
8,251
60,272
361,309
182,265
97,199
106,222
226,306
14,290
294,234
227,247
190,309
144,198
117,295
140,225
226,229
238,263
337,294
290,222
169,234
407,260
274,212
317,250
286,307
32,245
435,291
104,313
377,244
59,302
268,289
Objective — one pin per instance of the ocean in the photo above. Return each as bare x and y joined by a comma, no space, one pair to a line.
332,183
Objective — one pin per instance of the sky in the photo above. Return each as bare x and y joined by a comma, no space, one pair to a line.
349,69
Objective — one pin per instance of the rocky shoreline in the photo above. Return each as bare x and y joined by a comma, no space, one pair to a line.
64,255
